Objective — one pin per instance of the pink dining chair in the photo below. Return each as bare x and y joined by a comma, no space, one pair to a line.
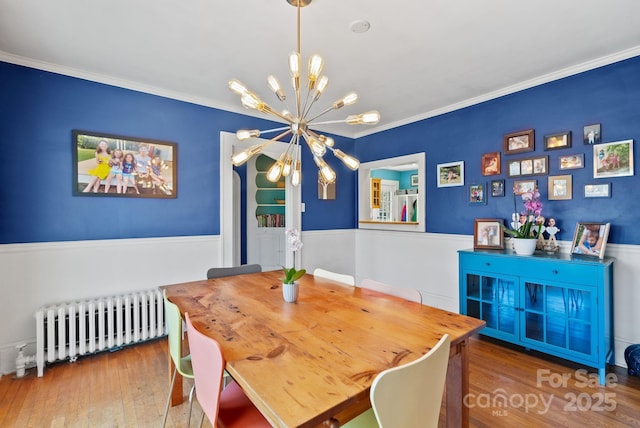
228,407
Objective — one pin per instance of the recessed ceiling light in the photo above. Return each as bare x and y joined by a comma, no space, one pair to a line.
360,26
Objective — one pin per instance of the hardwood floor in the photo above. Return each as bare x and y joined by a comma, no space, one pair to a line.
508,387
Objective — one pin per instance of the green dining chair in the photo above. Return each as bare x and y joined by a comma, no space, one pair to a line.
410,395
182,364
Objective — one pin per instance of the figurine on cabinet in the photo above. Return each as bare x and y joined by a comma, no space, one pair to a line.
552,230
540,243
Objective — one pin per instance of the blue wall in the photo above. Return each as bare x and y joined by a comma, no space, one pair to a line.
38,111
608,95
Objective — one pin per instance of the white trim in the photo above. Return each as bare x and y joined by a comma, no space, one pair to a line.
536,81
234,108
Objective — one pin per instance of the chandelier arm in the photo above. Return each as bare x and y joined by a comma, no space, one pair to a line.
327,110
328,122
266,131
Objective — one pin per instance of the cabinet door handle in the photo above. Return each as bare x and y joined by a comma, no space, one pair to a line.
487,263
555,272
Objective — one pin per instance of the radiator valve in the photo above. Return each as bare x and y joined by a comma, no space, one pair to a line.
22,361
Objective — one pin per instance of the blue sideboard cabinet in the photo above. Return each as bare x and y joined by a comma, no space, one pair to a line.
556,304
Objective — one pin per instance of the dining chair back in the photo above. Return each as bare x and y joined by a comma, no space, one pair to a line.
339,277
409,294
182,364
228,407
410,395
234,270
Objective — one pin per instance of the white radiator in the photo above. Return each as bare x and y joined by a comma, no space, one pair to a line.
71,329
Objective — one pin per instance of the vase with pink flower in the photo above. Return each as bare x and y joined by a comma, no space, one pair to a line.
525,230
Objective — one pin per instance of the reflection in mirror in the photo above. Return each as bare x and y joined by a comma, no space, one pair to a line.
391,193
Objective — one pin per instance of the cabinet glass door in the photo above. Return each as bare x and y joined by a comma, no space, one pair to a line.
558,316
493,300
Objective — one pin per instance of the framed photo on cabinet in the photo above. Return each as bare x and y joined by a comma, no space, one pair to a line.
487,234
590,239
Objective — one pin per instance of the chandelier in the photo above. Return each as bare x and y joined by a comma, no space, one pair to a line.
299,122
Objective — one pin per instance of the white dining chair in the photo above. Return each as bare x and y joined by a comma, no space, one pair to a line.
339,277
408,396
409,294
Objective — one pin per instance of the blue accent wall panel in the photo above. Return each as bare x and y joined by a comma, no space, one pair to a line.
608,95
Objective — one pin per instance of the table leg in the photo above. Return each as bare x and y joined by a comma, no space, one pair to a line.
457,386
176,393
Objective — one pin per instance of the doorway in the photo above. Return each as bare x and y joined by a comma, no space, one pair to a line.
228,221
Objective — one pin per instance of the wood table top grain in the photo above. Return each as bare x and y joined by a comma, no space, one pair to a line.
307,362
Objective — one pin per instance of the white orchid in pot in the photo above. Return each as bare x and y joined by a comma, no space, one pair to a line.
291,275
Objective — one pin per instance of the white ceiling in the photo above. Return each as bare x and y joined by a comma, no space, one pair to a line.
420,57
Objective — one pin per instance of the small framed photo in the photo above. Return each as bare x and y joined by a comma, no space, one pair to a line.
490,164
497,188
613,159
538,165
571,161
414,180
591,134
518,142
560,187
590,239
487,233
597,190
478,194
560,140
451,174
524,186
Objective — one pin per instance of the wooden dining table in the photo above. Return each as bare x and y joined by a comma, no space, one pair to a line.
312,363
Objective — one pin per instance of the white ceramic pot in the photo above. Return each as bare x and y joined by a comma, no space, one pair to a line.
524,247
290,292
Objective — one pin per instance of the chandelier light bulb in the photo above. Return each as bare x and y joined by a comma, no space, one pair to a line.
275,172
322,84
243,156
316,147
294,69
349,161
275,87
286,169
245,134
238,87
368,118
315,67
347,100
327,173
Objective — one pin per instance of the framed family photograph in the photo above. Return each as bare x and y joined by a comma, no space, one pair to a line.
524,186
571,161
560,140
497,188
487,234
518,142
414,180
478,194
114,165
590,239
538,165
451,174
490,164
592,134
613,159
560,187
597,190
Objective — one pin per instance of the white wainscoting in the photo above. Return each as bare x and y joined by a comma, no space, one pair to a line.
37,274
42,273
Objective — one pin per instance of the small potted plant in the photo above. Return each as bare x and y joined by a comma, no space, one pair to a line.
291,275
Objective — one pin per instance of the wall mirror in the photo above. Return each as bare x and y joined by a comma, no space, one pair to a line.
391,194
